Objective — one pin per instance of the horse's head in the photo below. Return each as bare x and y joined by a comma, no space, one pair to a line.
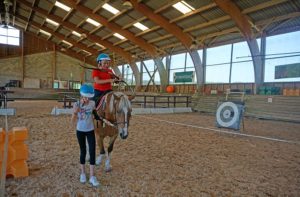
122,109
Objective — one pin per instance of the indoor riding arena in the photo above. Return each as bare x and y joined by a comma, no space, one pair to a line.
207,93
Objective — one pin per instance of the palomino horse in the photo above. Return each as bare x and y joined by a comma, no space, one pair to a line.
114,111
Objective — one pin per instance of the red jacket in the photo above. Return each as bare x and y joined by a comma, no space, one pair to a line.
102,75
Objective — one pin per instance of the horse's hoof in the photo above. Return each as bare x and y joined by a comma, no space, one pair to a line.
108,169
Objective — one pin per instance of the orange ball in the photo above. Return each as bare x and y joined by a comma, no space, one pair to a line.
170,89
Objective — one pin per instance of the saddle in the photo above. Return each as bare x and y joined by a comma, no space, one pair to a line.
100,104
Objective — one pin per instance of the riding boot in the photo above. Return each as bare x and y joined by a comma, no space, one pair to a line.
96,116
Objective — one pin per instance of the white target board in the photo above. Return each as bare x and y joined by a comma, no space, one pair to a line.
229,115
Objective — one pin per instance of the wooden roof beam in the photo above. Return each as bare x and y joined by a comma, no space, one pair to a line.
244,25
204,8
60,36
30,14
72,27
164,23
68,52
220,19
240,19
201,9
68,15
114,27
14,11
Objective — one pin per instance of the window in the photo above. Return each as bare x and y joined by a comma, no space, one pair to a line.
217,74
177,61
218,64
10,36
128,75
149,64
281,50
242,64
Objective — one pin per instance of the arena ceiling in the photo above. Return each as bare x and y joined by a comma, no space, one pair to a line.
150,28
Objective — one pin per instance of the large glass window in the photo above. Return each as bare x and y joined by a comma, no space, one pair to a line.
218,64
128,75
182,63
177,61
281,50
10,36
218,55
150,67
242,65
217,74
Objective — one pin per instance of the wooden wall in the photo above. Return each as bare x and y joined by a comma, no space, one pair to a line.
39,59
273,107
220,88
32,44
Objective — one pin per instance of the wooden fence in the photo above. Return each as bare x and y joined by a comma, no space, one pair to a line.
274,107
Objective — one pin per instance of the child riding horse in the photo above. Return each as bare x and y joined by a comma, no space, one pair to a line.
113,111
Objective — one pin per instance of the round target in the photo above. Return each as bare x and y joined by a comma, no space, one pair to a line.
227,114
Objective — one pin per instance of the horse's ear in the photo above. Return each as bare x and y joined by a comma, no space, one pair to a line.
131,97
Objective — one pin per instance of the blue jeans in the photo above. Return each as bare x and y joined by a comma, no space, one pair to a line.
98,95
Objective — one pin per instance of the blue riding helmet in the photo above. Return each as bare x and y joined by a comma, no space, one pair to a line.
103,56
87,90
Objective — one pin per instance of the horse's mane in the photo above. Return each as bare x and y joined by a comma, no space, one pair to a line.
124,102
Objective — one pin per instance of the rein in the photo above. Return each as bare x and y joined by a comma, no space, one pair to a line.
103,70
115,123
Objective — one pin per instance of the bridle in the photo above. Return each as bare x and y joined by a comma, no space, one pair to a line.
116,123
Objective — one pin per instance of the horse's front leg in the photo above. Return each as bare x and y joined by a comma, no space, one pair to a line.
110,148
101,147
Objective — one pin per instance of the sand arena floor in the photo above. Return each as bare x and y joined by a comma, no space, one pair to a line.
159,158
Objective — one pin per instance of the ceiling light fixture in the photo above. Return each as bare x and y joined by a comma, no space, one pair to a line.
110,8
140,26
93,22
76,33
7,4
62,6
183,7
67,43
99,45
45,32
51,22
119,36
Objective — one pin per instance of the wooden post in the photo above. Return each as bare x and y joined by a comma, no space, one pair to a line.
54,65
83,77
174,101
22,59
145,101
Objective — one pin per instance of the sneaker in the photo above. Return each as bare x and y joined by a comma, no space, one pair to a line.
82,178
94,182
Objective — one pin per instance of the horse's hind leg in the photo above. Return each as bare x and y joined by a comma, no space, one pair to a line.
110,148
102,150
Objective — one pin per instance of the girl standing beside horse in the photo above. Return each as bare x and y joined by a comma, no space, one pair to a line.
82,111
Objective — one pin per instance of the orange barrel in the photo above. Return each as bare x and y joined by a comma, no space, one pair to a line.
170,89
